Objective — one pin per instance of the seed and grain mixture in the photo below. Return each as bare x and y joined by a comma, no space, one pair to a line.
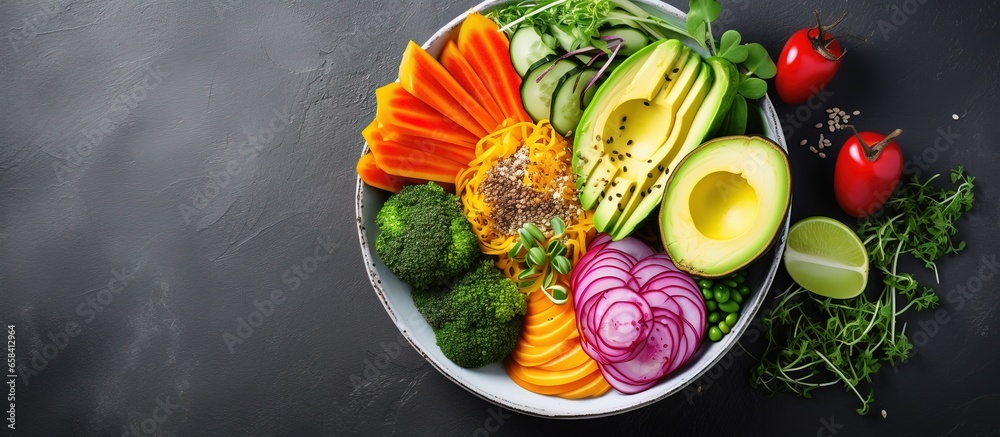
515,198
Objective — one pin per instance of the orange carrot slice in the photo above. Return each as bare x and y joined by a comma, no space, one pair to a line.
376,177
487,51
459,67
400,112
399,160
425,77
459,154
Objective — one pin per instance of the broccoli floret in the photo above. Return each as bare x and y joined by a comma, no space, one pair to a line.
424,239
477,321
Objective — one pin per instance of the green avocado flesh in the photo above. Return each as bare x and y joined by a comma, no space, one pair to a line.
724,204
658,106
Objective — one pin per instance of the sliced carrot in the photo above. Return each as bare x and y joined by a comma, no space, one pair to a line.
458,154
400,112
404,161
546,378
574,358
376,177
487,51
425,77
462,71
597,387
518,376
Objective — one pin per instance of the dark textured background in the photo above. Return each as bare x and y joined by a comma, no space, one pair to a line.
214,179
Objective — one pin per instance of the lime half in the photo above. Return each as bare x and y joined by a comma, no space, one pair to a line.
827,258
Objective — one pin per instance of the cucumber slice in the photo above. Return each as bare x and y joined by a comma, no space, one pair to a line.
526,48
634,39
568,100
536,94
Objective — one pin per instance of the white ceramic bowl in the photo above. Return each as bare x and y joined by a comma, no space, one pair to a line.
491,382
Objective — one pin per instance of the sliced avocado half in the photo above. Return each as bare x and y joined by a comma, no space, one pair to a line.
724,204
655,108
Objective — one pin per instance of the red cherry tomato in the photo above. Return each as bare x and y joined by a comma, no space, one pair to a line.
868,168
808,62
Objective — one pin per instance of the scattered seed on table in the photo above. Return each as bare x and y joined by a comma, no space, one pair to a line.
954,116
857,112
803,142
836,109
819,125
822,155
812,149
832,129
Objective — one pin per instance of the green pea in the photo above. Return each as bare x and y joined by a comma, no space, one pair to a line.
740,277
729,283
707,294
731,319
736,297
721,293
724,327
704,283
713,317
729,307
714,334
711,305
744,290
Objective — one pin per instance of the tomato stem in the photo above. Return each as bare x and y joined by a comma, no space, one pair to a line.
821,42
872,152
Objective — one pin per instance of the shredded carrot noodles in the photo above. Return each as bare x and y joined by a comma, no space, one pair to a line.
548,159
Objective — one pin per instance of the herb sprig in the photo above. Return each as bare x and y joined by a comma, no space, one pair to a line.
814,342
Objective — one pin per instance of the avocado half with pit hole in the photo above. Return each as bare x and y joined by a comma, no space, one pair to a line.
724,204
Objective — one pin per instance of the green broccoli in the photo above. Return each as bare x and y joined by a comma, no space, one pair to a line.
477,321
424,239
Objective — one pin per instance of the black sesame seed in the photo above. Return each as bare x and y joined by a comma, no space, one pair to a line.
668,79
649,175
624,117
649,161
631,189
645,103
618,195
622,127
611,140
625,169
612,159
628,143
642,194
659,167
609,198
676,70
